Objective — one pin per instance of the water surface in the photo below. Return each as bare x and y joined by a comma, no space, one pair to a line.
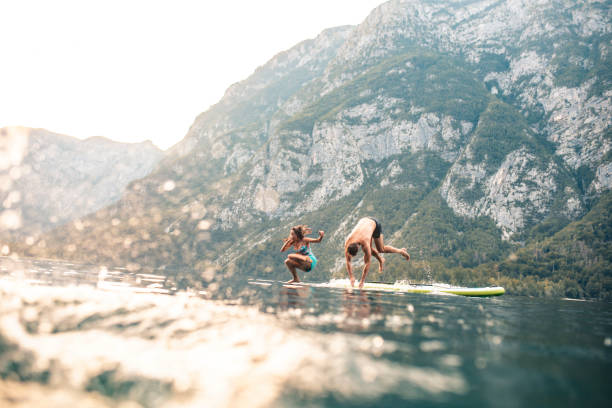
91,336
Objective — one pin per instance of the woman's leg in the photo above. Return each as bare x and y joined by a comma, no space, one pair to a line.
297,261
382,248
303,261
291,265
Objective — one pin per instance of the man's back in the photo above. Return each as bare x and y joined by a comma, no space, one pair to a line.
362,233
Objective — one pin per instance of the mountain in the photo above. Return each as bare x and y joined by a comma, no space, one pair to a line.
48,179
463,125
575,261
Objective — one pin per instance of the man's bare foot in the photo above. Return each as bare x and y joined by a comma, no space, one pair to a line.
293,281
405,254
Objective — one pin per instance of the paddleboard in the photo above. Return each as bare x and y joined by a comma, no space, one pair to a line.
409,288
397,287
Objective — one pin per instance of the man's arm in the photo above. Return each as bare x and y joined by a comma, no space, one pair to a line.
349,268
367,258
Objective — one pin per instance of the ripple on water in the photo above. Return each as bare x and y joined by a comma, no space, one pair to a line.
185,351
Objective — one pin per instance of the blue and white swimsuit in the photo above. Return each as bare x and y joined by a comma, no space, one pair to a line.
305,250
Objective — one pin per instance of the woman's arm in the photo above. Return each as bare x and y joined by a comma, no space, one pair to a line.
287,244
321,233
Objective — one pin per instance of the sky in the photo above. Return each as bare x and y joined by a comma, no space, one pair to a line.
135,70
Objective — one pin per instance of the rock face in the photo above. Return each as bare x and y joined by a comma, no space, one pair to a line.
49,179
519,50
497,109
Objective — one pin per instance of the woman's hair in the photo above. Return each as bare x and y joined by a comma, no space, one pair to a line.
300,231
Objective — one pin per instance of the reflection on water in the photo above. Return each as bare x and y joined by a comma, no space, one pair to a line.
293,297
75,334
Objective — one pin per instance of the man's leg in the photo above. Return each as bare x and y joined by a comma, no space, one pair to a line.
387,249
381,260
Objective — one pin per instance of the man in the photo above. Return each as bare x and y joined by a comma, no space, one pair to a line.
366,230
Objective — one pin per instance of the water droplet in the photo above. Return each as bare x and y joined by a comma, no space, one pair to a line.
432,345
377,342
103,273
451,360
496,340
10,220
169,185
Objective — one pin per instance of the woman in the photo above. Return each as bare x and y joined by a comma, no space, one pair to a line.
303,258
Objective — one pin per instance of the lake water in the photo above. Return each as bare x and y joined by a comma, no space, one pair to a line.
94,337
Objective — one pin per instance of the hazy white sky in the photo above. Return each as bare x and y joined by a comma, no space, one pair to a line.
133,70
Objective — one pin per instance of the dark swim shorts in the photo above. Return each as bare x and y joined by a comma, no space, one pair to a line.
378,229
